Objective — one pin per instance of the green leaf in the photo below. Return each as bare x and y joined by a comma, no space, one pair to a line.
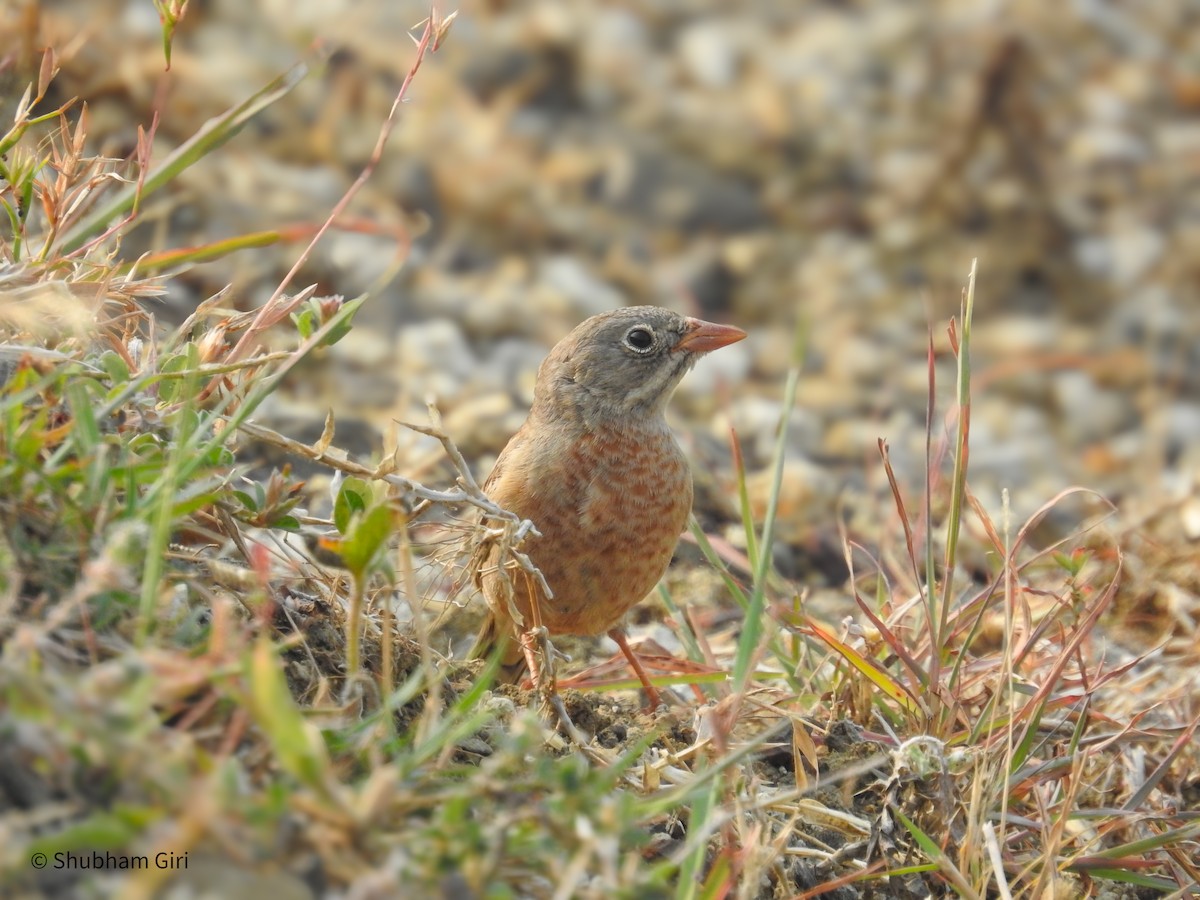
30,440
188,503
171,389
368,534
340,330
85,433
297,743
115,366
351,499
99,832
306,322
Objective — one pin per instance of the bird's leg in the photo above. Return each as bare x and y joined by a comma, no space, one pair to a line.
535,643
652,694
533,648
535,640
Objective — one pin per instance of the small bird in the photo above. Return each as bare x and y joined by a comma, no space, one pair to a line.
597,470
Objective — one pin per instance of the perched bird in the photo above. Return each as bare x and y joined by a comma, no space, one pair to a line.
597,470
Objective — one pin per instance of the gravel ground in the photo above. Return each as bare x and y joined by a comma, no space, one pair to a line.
830,166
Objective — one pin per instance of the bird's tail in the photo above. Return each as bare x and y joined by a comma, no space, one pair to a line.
495,638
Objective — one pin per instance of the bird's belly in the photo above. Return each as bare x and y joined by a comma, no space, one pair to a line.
631,503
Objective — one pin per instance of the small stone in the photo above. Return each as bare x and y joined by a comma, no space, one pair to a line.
860,359
434,357
1009,335
1089,413
364,347
1107,144
1177,423
1189,518
514,362
1123,255
709,54
586,295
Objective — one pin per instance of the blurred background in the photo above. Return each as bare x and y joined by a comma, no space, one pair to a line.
828,169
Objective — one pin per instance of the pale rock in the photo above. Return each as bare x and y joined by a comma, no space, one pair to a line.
710,53
1106,144
433,357
1189,518
367,348
1088,412
1013,334
855,358
586,295
513,363
1123,255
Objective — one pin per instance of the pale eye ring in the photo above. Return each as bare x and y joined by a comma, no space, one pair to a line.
639,339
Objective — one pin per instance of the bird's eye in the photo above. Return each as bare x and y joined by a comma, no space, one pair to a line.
639,339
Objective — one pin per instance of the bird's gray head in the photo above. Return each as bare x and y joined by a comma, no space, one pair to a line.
625,363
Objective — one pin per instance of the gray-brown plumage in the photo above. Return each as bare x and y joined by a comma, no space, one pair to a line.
596,468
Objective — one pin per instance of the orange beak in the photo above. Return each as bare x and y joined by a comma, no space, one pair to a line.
703,337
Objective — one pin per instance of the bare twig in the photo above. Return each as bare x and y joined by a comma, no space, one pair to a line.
338,461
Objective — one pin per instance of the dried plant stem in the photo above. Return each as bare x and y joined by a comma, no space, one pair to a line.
337,460
433,32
